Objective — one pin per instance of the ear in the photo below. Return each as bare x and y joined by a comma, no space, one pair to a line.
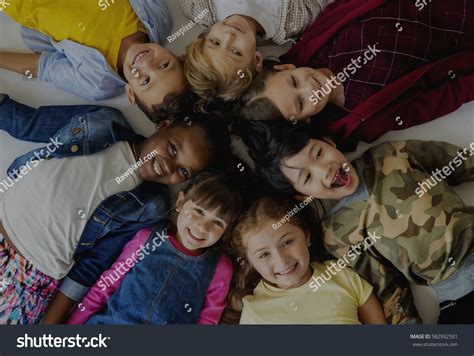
163,125
308,238
130,94
180,201
258,61
281,67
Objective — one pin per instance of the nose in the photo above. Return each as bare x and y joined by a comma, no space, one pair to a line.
281,259
229,36
203,226
168,167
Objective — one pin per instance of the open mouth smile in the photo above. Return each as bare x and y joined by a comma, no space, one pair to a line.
341,179
287,271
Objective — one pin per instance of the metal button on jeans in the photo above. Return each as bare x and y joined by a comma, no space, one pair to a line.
74,148
76,130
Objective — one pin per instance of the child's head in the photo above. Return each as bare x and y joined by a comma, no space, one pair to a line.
183,147
208,209
221,63
282,91
293,162
278,252
155,79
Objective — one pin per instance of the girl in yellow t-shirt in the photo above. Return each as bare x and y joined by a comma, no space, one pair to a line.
276,282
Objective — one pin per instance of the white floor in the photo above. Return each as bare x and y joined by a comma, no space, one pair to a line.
457,128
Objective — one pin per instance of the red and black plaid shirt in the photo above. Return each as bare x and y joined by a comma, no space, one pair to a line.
407,37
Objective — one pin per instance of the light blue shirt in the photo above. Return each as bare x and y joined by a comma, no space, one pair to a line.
84,71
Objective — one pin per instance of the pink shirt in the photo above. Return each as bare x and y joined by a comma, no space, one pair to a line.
96,298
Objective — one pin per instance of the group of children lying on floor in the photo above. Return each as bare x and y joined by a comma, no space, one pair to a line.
77,247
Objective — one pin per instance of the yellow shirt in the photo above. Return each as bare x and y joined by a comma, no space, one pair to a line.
335,302
81,21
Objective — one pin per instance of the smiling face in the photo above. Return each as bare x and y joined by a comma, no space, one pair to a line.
320,170
231,45
181,152
152,72
197,227
290,90
281,257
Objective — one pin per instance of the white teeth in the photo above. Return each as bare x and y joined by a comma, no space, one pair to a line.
287,270
157,168
137,58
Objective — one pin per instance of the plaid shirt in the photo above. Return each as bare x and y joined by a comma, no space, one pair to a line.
407,37
295,15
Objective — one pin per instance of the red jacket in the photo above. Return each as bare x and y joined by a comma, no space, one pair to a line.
428,92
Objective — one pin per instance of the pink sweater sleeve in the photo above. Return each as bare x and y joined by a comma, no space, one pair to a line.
110,280
216,296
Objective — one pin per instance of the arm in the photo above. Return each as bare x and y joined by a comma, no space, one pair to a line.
216,295
389,284
20,62
101,291
371,311
111,226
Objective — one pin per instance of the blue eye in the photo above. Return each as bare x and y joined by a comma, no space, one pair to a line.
146,81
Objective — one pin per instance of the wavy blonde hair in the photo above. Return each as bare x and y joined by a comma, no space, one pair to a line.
209,83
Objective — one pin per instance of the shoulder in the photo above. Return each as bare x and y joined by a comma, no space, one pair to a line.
223,271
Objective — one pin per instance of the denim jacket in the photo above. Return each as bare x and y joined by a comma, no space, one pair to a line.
116,220
83,70
165,287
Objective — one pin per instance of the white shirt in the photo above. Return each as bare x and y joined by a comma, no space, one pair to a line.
45,212
265,12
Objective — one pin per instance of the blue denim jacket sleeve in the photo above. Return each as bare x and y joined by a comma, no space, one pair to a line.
115,222
83,70
83,134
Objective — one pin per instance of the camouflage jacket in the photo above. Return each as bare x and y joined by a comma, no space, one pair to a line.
295,15
426,232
